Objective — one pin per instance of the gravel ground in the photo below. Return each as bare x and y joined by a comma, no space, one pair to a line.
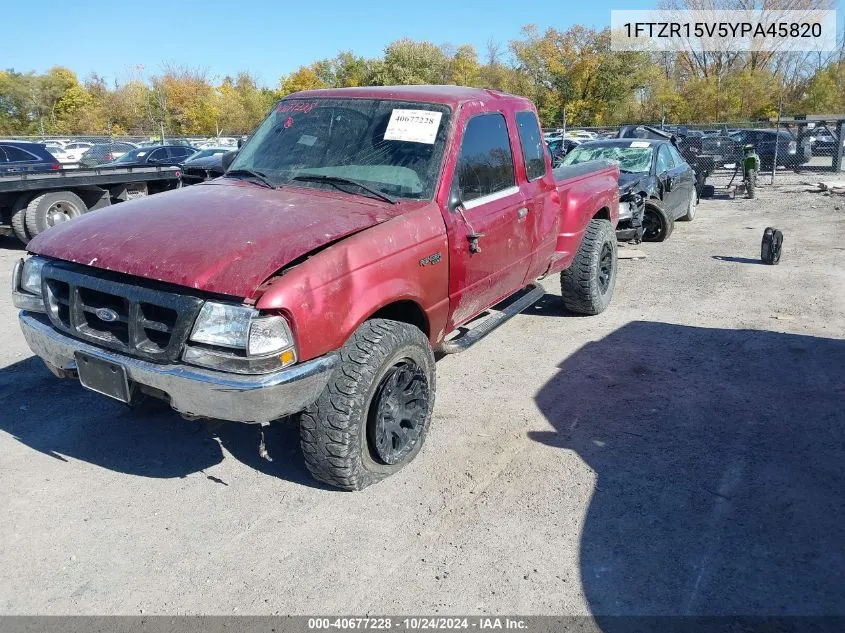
682,453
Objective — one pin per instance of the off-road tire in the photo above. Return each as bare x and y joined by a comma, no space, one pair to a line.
38,208
18,219
692,207
334,430
666,220
580,284
751,184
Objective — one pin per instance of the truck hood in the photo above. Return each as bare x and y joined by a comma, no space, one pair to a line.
223,237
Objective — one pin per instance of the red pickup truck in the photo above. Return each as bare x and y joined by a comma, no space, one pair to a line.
355,234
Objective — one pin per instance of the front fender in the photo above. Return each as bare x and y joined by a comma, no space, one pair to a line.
330,294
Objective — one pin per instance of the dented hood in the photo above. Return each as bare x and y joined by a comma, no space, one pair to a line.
224,236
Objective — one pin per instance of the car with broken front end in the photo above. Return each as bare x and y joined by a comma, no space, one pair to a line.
355,234
655,182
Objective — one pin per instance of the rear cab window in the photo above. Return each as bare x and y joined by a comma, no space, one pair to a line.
531,140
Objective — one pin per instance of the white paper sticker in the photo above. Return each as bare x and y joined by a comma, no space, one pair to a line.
307,139
416,126
640,144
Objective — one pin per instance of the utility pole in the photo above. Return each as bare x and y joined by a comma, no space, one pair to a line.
777,136
564,121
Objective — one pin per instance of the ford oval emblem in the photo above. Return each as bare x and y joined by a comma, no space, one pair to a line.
107,314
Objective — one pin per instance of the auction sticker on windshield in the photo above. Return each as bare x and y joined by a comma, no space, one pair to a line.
640,144
415,126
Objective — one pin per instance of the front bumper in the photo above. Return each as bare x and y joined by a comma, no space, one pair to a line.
630,227
191,390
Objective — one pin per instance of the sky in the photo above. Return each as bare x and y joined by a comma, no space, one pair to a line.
265,37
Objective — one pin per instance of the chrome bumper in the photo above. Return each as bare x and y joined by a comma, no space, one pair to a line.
194,391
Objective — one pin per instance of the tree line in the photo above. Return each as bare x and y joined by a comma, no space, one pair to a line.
570,71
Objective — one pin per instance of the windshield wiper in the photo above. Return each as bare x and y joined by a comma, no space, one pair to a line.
262,178
336,180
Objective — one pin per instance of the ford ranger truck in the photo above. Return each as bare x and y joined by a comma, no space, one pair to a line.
358,231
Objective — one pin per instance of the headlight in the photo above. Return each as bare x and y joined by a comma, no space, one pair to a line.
223,324
31,275
256,337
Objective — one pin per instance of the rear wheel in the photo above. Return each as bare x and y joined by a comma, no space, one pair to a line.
692,207
587,285
18,219
658,223
374,414
50,209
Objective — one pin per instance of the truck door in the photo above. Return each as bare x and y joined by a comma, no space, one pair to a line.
490,241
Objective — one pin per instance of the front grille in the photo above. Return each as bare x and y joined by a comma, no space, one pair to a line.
139,320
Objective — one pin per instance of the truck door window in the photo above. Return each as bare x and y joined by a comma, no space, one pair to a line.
485,165
532,145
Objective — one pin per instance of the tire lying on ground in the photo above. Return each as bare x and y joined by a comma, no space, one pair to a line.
771,246
49,209
374,414
587,285
657,222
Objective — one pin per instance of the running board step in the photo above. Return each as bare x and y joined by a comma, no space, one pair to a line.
499,314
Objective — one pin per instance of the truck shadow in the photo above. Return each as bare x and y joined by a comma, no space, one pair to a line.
719,458
11,243
551,305
61,419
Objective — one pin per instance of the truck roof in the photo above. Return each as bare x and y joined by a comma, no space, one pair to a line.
447,95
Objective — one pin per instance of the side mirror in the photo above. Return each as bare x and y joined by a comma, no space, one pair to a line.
227,160
240,143
454,199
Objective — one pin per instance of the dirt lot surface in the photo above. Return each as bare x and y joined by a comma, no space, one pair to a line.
682,453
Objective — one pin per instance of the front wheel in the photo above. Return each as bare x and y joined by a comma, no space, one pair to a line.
374,414
658,223
587,285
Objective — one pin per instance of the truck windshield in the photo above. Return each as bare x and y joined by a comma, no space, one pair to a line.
630,158
395,147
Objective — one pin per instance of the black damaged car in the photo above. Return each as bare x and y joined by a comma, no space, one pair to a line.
650,172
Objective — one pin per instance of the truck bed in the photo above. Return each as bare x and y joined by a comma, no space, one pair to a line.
568,172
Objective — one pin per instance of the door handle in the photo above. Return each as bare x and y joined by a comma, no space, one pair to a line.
522,213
